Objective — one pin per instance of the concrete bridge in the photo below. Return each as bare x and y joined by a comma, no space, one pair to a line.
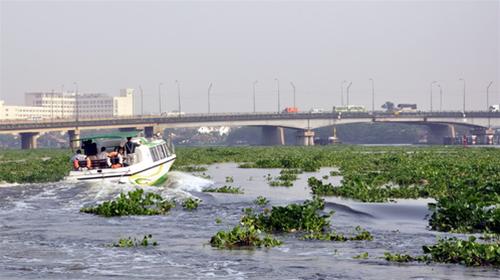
441,124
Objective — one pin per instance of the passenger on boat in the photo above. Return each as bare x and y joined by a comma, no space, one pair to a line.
90,149
116,157
103,155
79,157
130,151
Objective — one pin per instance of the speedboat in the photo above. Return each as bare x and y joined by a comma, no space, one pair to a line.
152,160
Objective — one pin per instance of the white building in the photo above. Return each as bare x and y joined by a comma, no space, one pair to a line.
57,105
223,130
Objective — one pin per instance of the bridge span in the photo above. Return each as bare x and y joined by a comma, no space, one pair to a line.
441,123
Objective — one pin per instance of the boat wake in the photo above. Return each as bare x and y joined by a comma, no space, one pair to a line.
178,186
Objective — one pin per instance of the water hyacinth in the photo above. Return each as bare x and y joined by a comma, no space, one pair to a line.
225,189
134,242
242,236
135,202
191,203
453,250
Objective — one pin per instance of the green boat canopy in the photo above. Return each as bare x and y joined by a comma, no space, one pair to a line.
114,135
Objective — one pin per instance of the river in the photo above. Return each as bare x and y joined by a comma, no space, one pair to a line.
44,236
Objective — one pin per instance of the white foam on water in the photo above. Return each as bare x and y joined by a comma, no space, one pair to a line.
104,190
8,185
177,186
187,182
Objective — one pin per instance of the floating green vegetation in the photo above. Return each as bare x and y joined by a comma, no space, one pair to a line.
135,202
203,175
319,188
134,242
246,236
403,258
225,189
229,179
468,252
335,173
191,203
191,168
360,234
34,166
361,256
285,179
279,183
196,170
468,209
261,201
306,217
454,250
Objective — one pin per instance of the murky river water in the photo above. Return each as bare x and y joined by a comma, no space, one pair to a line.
44,236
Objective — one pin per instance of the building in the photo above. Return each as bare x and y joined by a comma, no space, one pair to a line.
63,105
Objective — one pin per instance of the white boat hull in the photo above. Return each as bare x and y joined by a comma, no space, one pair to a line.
141,174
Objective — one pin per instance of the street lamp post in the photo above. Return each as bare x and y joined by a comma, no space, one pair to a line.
52,105
463,80
254,83
342,92
159,98
432,84
62,101
347,93
440,98
76,103
373,95
488,96
142,100
278,92
178,96
208,95
294,95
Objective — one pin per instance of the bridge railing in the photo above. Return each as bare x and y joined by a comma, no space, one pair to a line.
7,125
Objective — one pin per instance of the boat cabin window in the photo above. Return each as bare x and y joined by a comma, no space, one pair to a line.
159,152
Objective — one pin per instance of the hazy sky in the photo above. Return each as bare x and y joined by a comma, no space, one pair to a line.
402,45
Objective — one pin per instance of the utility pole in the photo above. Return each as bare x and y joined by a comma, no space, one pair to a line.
373,95
347,93
254,83
208,93
294,96
463,80
178,97
432,84
278,91
488,96
159,98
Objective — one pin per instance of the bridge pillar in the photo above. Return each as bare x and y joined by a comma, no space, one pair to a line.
437,133
74,135
150,131
273,135
305,138
28,140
